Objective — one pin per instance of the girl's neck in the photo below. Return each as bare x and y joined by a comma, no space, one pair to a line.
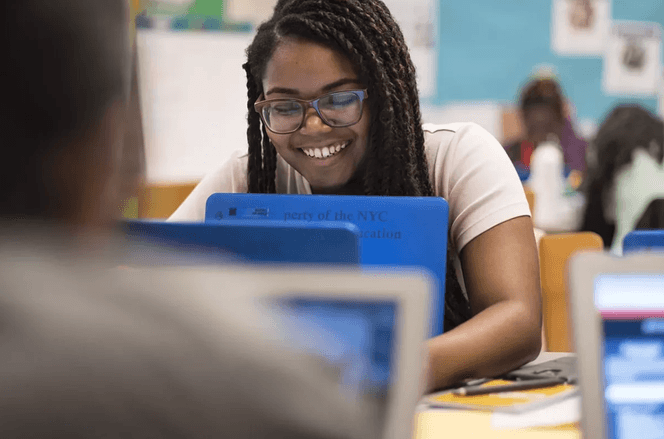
353,187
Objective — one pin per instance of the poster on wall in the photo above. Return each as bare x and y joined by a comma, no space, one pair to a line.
633,59
580,27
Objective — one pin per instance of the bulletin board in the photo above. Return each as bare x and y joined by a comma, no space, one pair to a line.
488,49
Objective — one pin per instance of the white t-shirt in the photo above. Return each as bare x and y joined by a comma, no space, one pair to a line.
467,166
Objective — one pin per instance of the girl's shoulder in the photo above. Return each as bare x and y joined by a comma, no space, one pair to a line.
232,175
453,143
451,134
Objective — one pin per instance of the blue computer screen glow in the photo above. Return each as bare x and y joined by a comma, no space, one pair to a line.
632,308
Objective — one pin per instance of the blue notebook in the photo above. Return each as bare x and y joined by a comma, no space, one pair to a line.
394,231
253,241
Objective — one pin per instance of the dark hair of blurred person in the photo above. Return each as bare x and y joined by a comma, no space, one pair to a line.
89,351
542,110
65,68
625,129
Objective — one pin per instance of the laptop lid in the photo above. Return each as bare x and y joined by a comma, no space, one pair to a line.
394,231
643,240
370,326
250,241
618,320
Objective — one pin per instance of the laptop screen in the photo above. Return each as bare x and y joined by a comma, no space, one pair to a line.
356,340
354,336
632,309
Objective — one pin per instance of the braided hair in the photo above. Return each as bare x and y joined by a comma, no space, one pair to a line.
43,113
365,32
626,128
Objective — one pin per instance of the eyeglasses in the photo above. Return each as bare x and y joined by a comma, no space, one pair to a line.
339,109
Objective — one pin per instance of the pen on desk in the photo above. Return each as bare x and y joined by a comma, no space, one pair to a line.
476,382
512,387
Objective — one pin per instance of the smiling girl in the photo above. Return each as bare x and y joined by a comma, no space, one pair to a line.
334,109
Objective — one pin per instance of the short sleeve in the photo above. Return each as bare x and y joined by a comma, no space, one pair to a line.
231,177
471,170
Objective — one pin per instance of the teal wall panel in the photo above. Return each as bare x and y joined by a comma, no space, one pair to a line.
489,48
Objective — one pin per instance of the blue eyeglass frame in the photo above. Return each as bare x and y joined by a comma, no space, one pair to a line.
313,103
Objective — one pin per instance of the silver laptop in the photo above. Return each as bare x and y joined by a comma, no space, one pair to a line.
372,325
618,322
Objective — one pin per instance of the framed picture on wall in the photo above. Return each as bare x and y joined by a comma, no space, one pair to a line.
580,27
633,59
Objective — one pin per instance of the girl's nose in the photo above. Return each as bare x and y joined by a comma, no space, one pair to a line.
313,124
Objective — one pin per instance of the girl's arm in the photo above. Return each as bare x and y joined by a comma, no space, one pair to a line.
501,274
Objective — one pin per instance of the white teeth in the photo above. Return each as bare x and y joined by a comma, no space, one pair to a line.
326,151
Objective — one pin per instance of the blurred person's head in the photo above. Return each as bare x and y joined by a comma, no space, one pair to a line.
542,110
65,68
626,130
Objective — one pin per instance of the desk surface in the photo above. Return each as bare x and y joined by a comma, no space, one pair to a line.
436,423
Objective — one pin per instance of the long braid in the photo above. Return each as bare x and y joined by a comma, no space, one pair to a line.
255,166
366,33
269,165
404,72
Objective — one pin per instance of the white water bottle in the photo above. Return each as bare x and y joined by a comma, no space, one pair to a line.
547,183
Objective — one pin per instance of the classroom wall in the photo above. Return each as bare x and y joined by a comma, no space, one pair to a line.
194,101
488,49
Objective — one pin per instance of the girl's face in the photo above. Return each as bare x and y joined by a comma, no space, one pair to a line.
305,70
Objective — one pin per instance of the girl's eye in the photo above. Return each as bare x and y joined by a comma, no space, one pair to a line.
341,100
285,108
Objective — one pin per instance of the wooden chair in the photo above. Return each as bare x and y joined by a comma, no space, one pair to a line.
554,252
159,201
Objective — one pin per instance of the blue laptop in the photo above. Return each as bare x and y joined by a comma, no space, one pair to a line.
394,231
247,241
643,240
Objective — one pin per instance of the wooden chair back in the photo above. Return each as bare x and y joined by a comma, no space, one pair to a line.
159,201
554,252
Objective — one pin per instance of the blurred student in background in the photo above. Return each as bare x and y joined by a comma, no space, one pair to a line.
85,352
624,186
543,116
334,109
